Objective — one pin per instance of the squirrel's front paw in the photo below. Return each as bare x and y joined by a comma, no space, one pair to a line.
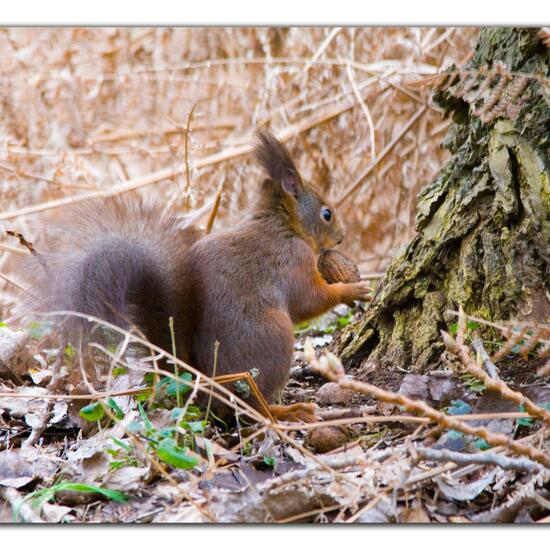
360,291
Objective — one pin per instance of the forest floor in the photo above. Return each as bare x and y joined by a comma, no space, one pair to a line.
144,458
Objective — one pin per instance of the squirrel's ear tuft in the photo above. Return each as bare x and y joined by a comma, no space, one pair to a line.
275,159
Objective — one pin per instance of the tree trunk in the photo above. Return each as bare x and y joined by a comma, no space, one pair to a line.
483,226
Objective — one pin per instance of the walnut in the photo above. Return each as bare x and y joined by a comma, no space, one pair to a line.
327,438
337,268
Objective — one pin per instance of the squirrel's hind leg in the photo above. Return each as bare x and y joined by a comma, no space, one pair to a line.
297,412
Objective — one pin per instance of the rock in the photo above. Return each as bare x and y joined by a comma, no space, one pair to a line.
332,394
415,386
327,438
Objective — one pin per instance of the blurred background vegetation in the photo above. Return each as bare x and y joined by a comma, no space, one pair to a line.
90,109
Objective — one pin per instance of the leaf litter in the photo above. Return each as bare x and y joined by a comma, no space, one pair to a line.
381,464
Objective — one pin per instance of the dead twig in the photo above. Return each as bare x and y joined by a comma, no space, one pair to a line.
490,367
214,211
444,455
459,349
13,250
16,284
366,112
186,158
330,367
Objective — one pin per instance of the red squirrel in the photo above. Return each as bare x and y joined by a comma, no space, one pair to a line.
244,287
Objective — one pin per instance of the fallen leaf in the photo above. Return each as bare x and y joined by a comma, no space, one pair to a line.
18,467
457,490
415,514
54,513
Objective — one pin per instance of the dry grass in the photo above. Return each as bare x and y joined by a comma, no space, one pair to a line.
86,109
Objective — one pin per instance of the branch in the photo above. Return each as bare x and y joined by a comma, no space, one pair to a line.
331,367
444,455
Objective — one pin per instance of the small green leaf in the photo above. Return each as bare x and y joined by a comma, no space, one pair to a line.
344,320
454,434
478,387
247,448
470,326
169,452
117,411
172,387
121,443
41,496
111,494
148,425
193,412
196,426
167,432
181,386
144,395
2,324
92,412
270,461
481,444
176,412
69,351
459,407
149,378
117,371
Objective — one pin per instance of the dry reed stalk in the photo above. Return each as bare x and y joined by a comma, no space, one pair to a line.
13,250
17,285
187,191
96,122
355,185
168,173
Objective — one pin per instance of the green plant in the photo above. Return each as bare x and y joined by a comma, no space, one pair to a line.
41,496
528,421
95,412
122,457
472,383
470,327
164,442
458,407
270,461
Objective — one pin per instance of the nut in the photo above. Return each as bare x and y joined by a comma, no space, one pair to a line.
332,394
335,267
327,438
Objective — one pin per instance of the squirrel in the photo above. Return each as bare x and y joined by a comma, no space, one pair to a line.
126,262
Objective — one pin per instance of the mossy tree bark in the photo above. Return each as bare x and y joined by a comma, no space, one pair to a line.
483,226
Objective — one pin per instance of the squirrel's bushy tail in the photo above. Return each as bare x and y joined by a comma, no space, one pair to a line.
113,259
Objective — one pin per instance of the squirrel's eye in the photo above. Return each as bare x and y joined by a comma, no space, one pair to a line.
326,214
